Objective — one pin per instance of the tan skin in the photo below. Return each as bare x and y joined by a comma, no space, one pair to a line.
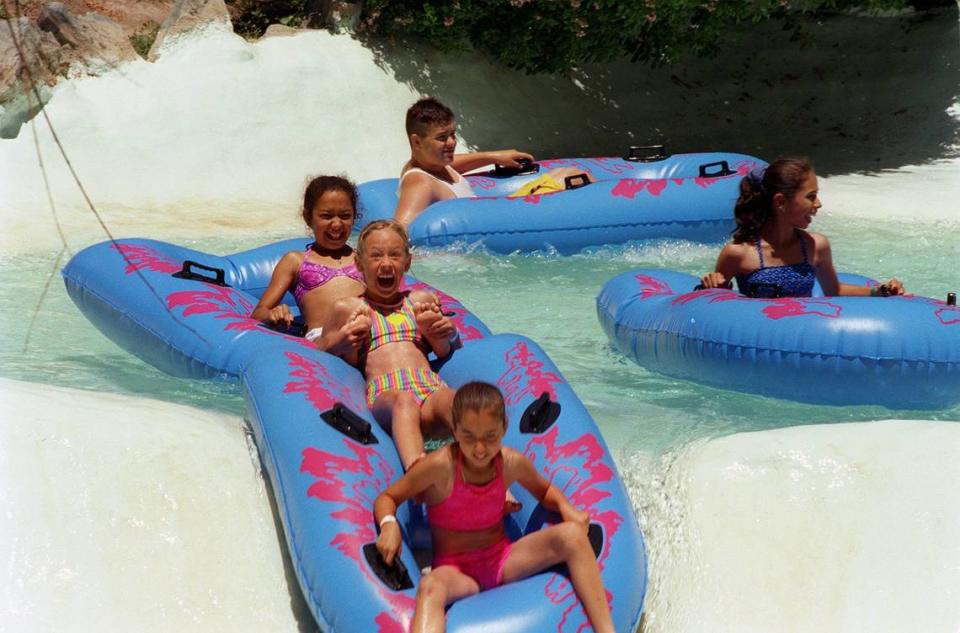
433,152
479,436
347,330
780,240
331,221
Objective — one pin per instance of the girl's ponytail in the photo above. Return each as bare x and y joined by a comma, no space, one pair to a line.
754,206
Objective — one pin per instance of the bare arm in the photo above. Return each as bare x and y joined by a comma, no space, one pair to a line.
826,273
414,482
416,194
889,288
269,308
520,469
473,160
727,266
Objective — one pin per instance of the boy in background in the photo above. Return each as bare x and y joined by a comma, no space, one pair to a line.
434,172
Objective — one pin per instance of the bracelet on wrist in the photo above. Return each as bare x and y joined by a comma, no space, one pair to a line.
387,519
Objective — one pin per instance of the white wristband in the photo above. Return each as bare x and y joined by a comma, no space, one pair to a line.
314,334
387,519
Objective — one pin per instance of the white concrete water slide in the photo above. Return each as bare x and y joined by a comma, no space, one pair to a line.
105,524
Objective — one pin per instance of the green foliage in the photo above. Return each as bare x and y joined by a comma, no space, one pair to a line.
143,39
252,17
558,35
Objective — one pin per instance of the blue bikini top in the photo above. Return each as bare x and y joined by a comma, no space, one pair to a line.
792,280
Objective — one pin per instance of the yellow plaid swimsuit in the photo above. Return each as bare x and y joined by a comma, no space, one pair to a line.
420,381
394,325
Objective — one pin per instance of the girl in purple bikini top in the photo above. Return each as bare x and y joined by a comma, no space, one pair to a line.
312,275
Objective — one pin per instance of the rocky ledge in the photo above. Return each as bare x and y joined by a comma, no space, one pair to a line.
48,41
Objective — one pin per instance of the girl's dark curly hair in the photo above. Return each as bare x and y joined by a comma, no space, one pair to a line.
755,205
321,185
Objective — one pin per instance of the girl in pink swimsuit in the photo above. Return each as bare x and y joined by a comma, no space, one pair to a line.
326,270
463,485
387,333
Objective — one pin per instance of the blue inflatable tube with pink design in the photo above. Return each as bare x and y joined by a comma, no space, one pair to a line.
684,196
899,352
185,312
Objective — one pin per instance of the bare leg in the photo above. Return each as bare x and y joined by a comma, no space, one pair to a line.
566,542
402,412
436,415
437,589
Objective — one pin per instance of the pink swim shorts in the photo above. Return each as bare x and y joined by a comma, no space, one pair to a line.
483,565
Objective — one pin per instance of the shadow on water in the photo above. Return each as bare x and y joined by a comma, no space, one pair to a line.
866,94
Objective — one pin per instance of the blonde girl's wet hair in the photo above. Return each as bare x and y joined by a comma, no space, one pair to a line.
478,396
378,225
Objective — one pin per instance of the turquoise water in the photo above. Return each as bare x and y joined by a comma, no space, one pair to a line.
544,296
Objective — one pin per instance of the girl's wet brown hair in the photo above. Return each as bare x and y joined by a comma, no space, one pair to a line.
379,225
754,207
478,396
321,185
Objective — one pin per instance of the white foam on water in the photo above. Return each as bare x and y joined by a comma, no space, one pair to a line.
127,514
842,527
911,193
218,135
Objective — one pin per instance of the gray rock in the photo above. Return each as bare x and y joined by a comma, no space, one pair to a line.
280,30
60,44
25,79
90,43
188,16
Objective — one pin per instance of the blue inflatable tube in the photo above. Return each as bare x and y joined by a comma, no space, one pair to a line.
899,352
326,457
132,292
685,196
